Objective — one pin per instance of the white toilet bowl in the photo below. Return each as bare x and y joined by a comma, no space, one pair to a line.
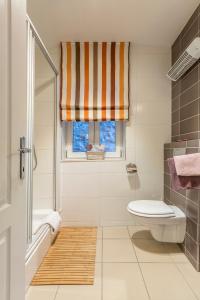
167,223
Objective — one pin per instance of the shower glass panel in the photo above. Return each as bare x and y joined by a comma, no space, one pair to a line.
43,134
41,193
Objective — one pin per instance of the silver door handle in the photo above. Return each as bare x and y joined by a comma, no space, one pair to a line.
23,150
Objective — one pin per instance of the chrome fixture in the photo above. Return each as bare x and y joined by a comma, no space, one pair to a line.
35,158
131,168
23,150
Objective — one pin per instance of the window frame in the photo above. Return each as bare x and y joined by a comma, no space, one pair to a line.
94,133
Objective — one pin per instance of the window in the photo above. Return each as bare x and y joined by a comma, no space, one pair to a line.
78,135
107,133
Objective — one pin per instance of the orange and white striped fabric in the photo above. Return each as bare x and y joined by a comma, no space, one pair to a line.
94,81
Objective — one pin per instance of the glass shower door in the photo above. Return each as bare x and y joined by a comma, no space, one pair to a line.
41,137
43,134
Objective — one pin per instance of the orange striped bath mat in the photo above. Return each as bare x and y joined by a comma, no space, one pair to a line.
71,259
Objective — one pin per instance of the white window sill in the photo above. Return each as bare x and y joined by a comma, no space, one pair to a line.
110,159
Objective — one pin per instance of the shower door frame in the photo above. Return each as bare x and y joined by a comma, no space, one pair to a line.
33,38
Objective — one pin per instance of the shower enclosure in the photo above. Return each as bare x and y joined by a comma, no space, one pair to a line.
41,139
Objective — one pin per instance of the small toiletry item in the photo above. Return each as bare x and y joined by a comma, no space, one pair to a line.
95,152
89,147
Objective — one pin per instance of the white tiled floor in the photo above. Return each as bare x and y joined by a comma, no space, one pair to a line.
131,265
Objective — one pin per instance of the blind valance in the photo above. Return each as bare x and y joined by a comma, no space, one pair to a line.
94,81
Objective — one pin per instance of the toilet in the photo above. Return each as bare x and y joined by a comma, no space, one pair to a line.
167,223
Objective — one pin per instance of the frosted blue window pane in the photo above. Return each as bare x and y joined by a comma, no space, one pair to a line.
80,136
108,135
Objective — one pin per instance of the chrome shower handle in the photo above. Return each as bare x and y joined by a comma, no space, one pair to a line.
35,158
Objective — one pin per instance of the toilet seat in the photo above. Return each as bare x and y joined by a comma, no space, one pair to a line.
151,209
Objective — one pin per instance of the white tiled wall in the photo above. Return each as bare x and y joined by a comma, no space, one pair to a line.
43,134
98,192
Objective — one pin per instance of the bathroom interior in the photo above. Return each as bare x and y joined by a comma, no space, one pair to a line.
160,121
111,155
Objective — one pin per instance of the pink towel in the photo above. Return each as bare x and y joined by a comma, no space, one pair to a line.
182,182
187,165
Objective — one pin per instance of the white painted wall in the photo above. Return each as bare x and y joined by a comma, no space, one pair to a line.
95,193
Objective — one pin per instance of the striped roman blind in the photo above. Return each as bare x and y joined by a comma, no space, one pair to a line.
94,81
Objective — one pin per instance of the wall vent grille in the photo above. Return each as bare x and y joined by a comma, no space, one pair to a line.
185,61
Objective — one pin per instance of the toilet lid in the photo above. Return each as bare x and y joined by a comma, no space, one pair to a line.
151,208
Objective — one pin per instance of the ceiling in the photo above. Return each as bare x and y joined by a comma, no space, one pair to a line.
146,22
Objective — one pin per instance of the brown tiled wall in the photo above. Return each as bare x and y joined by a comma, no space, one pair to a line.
186,91
187,200
186,126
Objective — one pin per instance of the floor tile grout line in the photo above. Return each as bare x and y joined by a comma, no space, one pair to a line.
143,262
120,262
111,238
127,238
58,286
144,281
129,232
139,268
187,283
118,238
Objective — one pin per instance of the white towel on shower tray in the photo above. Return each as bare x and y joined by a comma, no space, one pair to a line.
53,220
